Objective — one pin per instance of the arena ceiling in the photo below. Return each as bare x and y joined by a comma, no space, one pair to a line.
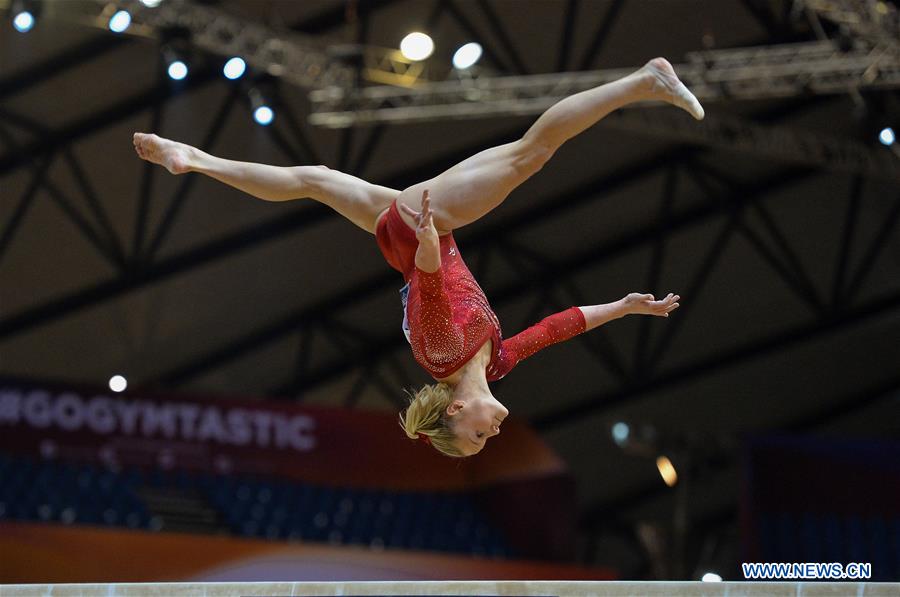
789,273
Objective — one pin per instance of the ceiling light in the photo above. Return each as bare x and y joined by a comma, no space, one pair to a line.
234,68
667,470
23,22
417,46
262,113
467,55
177,70
117,383
120,21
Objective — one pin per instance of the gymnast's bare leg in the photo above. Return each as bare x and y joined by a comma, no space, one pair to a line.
472,188
459,196
355,199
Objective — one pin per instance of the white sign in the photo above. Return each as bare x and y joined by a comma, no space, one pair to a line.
238,426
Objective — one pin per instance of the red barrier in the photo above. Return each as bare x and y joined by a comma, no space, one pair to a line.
53,554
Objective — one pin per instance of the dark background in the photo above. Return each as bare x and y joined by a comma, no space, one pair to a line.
790,275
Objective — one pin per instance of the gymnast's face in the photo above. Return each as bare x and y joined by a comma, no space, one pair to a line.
475,420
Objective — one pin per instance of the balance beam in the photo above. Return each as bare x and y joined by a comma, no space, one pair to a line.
460,588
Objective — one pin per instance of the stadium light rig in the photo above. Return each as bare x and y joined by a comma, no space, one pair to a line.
24,14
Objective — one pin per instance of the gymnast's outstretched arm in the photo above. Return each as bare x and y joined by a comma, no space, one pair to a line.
355,199
633,304
561,326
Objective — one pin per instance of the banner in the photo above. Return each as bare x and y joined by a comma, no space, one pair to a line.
351,448
178,421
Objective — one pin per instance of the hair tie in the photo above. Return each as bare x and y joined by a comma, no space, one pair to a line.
424,438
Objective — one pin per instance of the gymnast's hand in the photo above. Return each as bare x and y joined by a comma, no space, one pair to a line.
644,304
426,233
428,255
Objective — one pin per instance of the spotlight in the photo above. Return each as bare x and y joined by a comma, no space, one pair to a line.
711,577
23,21
117,383
177,70
176,67
120,21
262,113
620,432
886,136
175,45
24,13
416,46
234,68
151,3
467,55
639,439
667,470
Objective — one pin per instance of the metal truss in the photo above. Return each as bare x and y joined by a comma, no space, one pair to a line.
765,71
779,143
748,73
794,69
303,60
820,67
287,54
873,20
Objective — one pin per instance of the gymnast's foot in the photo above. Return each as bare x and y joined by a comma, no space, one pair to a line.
666,86
172,155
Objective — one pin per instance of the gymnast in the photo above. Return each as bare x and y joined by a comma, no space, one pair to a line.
452,330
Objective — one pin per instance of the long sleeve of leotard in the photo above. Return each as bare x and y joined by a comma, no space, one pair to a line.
556,328
443,338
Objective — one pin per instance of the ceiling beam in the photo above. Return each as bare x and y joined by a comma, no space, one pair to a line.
783,339
74,56
120,110
100,120
336,16
224,246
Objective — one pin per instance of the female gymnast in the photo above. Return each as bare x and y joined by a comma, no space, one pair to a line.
453,332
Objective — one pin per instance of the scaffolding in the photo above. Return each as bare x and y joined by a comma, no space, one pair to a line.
764,72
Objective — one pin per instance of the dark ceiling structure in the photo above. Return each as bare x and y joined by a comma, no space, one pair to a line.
777,223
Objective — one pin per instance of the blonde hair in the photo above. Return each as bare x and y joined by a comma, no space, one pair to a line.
426,414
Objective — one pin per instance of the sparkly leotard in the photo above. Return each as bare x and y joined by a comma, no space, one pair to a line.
449,317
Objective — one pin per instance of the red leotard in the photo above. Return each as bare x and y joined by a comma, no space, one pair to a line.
449,317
